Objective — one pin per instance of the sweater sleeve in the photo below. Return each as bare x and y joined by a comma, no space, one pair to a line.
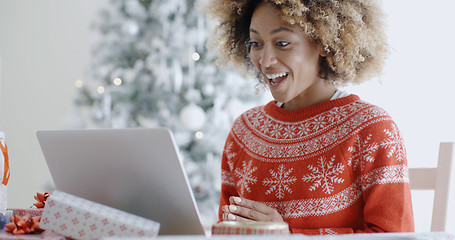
382,169
385,181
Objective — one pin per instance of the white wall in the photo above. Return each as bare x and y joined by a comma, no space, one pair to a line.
45,47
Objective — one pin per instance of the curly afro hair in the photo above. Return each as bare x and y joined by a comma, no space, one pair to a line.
349,31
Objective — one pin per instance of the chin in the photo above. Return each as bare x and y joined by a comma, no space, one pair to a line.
280,99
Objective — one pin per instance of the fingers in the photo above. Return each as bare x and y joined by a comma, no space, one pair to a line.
242,209
257,206
243,212
233,217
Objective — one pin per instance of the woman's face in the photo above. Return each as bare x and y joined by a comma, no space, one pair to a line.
284,55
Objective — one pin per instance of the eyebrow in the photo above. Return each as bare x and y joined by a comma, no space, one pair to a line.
275,31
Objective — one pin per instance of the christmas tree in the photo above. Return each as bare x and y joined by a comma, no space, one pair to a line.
151,68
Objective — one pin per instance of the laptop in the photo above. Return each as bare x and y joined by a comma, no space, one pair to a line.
135,170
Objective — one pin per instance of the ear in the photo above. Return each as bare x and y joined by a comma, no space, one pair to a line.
322,53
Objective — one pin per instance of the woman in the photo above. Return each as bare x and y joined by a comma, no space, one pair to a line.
317,158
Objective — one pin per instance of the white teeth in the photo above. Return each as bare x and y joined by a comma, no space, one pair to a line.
273,76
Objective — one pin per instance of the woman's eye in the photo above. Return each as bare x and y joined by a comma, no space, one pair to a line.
282,43
253,44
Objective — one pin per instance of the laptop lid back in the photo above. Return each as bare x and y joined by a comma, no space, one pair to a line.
134,170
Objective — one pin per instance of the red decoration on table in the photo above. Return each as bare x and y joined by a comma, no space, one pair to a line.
6,173
41,198
22,225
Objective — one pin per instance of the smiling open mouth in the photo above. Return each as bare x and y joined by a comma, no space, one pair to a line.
276,78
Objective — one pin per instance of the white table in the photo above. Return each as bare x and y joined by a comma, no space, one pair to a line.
357,236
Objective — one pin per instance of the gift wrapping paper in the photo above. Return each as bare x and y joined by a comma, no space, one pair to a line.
83,219
34,212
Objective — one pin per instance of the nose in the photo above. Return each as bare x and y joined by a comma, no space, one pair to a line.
268,57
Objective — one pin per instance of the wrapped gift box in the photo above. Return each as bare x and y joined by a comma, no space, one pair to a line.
251,228
83,219
35,236
34,212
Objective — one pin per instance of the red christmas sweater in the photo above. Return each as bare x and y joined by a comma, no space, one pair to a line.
335,167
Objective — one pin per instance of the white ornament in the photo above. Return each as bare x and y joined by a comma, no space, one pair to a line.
130,28
208,89
192,117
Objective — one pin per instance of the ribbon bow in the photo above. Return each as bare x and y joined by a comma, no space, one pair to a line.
22,225
41,198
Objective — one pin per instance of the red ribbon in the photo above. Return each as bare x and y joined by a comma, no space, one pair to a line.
6,172
41,198
23,225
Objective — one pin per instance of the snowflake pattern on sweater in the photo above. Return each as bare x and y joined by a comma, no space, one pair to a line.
246,177
325,169
280,182
325,174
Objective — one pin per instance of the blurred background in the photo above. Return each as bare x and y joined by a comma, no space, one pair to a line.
90,64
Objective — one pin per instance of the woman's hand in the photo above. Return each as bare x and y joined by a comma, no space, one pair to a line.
242,209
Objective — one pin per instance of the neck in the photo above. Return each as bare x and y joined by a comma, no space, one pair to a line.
315,94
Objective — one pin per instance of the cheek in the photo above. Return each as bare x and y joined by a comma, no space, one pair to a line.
301,63
254,58
292,61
